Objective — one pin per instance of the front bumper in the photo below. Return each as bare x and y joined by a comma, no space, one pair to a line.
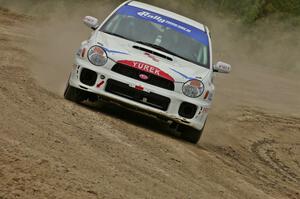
171,112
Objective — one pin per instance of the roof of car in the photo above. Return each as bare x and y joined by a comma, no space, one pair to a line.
167,13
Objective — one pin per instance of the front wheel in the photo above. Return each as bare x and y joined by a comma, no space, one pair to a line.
74,94
190,134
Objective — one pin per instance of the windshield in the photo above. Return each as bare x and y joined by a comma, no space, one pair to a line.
160,32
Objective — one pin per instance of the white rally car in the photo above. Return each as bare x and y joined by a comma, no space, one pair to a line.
148,59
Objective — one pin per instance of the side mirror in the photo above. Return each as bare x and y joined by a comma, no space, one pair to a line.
91,22
222,67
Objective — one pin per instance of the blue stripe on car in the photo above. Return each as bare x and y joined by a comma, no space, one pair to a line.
183,75
114,51
174,24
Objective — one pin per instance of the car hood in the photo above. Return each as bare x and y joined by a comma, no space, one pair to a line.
123,51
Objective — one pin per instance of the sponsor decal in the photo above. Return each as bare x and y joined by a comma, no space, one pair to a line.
205,110
147,68
169,22
161,20
224,67
143,77
90,19
151,16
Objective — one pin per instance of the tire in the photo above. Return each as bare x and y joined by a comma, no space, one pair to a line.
190,134
74,94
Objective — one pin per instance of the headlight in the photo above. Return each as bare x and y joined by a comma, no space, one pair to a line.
193,88
97,56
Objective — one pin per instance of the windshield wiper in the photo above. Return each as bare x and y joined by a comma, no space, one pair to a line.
117,35
166,51
162,49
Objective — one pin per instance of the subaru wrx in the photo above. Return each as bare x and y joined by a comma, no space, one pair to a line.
149,59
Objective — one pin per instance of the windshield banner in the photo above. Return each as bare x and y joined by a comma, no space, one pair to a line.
176,25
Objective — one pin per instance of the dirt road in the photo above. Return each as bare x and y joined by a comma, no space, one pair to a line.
52,148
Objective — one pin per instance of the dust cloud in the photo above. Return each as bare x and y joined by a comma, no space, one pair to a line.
54,149
58,31
58,36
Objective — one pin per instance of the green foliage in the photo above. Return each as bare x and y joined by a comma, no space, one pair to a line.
252,10
248,10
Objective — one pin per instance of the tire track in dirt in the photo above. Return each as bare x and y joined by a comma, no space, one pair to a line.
52,148
272,162
265,150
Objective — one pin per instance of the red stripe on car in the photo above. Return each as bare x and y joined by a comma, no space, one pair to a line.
146,68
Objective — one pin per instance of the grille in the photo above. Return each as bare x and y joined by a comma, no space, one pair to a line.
135,74
150,99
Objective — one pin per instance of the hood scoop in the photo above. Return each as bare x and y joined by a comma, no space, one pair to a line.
152,52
